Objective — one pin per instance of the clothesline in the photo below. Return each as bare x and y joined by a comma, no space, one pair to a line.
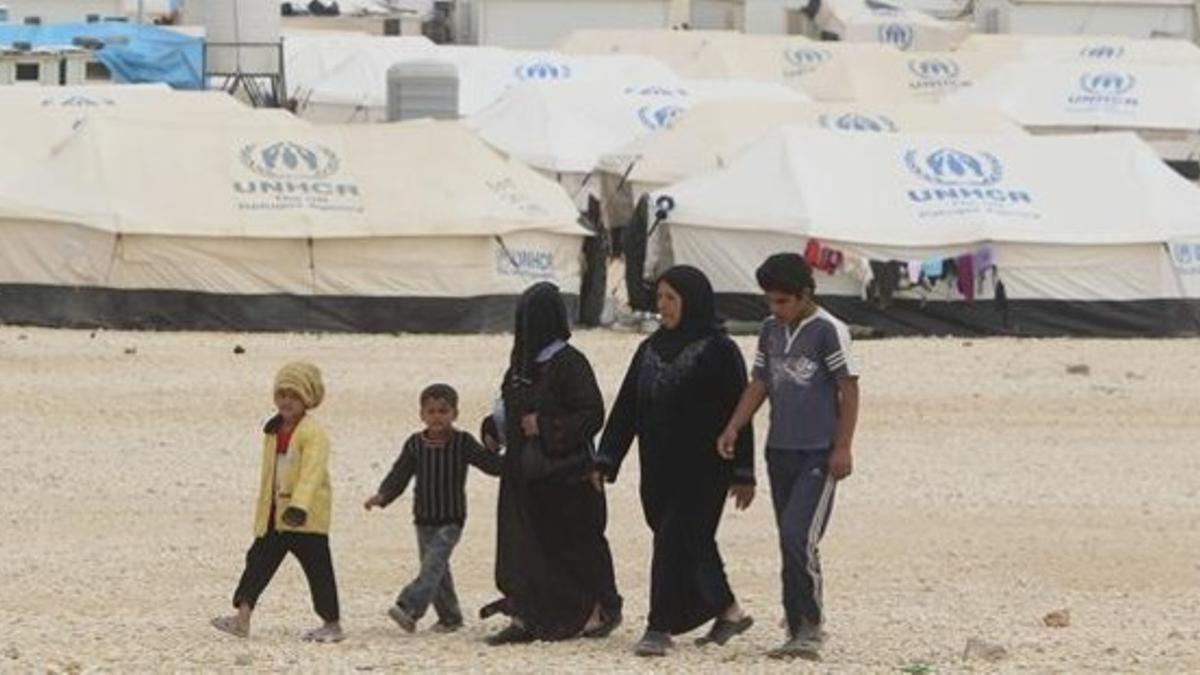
881,278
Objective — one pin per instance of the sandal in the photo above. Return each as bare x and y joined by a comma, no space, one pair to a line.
723,630
605,628
231,625
511,635
325,633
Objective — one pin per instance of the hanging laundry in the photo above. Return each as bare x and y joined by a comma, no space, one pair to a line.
914,272
885,283
1001,299
812,253
966,276
858,268
831,260
933,269
983,259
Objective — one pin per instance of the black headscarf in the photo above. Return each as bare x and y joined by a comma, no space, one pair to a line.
541,319
699,318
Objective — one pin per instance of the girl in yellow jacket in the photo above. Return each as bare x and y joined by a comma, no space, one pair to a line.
293,506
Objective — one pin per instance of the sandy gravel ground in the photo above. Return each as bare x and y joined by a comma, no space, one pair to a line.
992,487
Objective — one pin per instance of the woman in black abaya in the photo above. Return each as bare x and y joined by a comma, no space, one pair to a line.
553,565
681,387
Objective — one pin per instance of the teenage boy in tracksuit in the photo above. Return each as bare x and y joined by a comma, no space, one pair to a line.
804,366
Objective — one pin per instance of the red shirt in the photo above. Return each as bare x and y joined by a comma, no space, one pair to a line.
282,439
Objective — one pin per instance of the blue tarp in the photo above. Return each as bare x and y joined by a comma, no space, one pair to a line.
151,54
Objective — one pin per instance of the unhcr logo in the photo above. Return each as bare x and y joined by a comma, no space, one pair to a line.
960,177
1101,52
857,122
656,90
292,169
934,68
528,263
1104,90
807,59
286,159
543,70
898,35
935,73
947,166
1106,84
77,101
659,117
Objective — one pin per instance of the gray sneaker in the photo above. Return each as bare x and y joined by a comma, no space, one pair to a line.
653,643
805,643
402,618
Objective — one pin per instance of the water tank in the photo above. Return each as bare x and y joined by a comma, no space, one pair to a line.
419,89
242,37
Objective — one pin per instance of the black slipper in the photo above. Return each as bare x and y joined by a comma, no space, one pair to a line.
511,635
605,629
723,630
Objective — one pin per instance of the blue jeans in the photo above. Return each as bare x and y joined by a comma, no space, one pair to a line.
802,494
434,583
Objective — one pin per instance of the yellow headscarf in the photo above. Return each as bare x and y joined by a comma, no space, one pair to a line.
305,380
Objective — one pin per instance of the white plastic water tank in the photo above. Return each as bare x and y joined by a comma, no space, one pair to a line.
417,89
243,36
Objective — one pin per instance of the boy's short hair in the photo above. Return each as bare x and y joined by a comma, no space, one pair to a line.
785,273
440,392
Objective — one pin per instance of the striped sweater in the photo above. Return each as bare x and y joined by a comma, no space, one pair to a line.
441,472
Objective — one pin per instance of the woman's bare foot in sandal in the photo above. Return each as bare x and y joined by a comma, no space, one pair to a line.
733,613
595,620
232,625
237,625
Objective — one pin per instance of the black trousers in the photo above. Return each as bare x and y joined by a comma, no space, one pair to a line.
268,552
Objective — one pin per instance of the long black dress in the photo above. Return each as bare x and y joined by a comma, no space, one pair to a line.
679,392
553,563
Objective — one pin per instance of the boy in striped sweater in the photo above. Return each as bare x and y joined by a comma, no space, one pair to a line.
438,457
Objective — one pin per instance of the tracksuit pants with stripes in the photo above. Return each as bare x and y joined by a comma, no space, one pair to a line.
802,494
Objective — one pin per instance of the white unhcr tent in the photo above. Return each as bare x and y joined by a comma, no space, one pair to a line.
889,24
710,134
702,54
567,128
356,90
1082,230
1160,102
564,129
1100,48
268,226
34,120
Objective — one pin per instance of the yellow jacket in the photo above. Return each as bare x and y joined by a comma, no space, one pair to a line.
303,481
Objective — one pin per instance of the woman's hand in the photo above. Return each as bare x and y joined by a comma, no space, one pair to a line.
529,424
491,443
597,480
726,442
742,496
375,501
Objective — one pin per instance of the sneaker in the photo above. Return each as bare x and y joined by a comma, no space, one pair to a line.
805,643
442,627
326,633
402,618
653,643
